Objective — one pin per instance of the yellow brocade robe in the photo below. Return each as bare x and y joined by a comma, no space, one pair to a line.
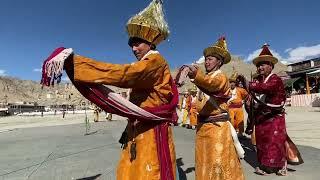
216,157
149,79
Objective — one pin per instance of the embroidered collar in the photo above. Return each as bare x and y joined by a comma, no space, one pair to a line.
149,53
262,97
267,77
214,73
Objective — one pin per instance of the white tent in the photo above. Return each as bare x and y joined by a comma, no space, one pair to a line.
314,73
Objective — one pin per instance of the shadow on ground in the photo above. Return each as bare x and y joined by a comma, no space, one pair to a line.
250,154
91,177
182,173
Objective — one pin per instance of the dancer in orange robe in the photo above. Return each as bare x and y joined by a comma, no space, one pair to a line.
215,154
238,95
150,81
193,114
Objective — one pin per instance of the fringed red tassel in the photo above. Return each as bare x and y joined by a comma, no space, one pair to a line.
52,67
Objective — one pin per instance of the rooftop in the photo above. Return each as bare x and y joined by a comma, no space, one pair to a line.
305,61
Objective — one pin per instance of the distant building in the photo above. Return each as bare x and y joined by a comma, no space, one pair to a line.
62,107
4,112
22,107
305,75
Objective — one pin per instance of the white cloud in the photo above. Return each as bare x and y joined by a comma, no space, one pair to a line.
252,55
303,53
285,62
200,60
2,72
256,53
287,50
297,54
37,70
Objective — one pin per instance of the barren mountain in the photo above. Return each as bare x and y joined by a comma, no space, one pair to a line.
16,90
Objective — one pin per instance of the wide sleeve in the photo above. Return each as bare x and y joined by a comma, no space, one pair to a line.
141,74
217,83
244,93
269,87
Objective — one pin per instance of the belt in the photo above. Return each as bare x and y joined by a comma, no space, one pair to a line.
239,105
217,118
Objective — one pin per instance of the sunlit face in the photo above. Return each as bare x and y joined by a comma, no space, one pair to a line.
140,48
264,68
212,63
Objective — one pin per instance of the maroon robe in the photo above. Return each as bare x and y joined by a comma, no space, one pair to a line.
273,144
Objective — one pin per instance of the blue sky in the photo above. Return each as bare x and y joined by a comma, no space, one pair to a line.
30,30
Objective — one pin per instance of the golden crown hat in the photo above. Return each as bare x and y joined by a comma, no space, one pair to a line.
149,24
193,89
233,77
185,92
219,49
265,56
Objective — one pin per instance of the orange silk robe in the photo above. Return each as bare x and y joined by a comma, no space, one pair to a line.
193,111
235,107
185,107
216,157
149,79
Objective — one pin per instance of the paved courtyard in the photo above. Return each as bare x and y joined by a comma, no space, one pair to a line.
55,148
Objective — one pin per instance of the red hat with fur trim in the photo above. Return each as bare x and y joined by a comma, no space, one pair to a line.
265,56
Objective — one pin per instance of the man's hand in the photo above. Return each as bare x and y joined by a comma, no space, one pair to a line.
193,71
253,84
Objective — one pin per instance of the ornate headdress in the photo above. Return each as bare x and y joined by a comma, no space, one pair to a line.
219,49
265,55
149,24
233,77
193,89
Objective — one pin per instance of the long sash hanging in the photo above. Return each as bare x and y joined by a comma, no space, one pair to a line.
114,103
